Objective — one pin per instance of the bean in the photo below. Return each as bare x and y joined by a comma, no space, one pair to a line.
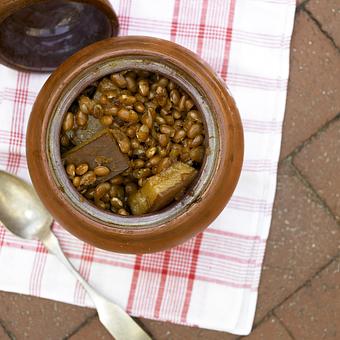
122,212
168,130
147,119
130,188
106,120
64,140
176,114
189,104
188,123
88,179
138,163
155,160
135,143
160,120
98,111
81,169
85,104
150,152
162,152
139,107
175,96
101,190
127,100
119,80
116,203
163,164
118,180
143,87
163,139
195,130
178,124
106,199
100,204
141,173
131,84
68,121
163,82
197,154
141,182
140,98
103,99
101,171
195,116
171,85
111,110
181,104
169,120
122,140
197,141
71,170
90,194
81,118
143,133
117,191
112,94
128,116
179,136
131,131
76,181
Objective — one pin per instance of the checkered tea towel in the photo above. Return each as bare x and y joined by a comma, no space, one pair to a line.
212,280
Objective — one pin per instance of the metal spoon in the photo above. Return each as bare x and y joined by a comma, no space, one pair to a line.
24,215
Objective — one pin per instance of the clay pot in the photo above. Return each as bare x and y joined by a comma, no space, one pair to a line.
178,222
38,35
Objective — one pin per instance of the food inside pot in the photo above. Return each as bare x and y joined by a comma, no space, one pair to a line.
132,142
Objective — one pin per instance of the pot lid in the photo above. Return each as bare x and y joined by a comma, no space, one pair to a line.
38,35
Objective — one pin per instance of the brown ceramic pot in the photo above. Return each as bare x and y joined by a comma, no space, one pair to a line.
38,35
178,222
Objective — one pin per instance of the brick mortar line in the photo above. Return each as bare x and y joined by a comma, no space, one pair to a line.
7,332
284,326
311,138
307,282
80,326
317,22
307,184
301,5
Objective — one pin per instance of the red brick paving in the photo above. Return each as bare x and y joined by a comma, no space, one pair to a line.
27,317
303,238
314,311
319,162
304,234
92,330
313,89
269,329
328,14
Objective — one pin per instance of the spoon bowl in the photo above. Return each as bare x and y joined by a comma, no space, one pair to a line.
21,210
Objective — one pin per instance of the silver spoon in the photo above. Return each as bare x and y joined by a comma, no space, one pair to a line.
24,215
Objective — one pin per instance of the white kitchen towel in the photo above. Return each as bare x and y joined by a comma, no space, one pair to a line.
212,280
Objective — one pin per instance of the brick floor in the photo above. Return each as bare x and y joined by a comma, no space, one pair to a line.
27,317
313,89
299,290
327,13
270,329
301,230
316,307
319,162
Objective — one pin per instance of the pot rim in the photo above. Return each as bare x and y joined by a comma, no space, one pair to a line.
229,156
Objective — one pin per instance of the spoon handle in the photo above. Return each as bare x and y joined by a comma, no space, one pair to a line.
118,323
